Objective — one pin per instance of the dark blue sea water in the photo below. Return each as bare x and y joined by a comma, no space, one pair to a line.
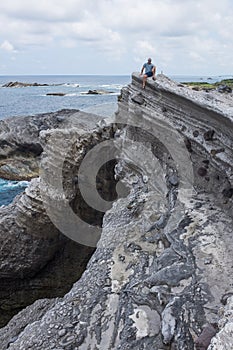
33,100
9,189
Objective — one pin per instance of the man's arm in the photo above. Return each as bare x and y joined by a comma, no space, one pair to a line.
142,69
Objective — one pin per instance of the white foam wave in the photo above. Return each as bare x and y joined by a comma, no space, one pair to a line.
85,93
71,85
7,184
112,86
72,94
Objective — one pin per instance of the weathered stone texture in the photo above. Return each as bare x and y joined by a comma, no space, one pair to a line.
163,265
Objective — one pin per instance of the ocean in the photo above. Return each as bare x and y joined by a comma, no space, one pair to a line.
34,100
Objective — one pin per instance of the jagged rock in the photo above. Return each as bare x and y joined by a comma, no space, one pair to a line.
33,251
97,92
164,258
18,84
223,339
224,89
20,146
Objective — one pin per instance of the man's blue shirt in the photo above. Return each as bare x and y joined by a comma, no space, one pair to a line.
148,67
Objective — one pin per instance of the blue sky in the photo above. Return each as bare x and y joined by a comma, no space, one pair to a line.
116,36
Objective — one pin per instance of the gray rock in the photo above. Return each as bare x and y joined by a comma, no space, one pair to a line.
174,180
224,89
97,92
162,294
138,98
55,94
20,146
208,135
18,84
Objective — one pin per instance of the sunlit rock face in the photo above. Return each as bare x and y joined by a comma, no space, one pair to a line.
161,274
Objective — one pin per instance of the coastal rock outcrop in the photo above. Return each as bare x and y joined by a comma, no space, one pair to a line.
18,84
97,92
34,255
55,94
20,147
162,268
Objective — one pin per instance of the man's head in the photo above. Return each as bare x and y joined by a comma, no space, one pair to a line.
149,60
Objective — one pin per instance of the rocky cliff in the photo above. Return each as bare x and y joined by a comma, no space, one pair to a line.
153,190
20,146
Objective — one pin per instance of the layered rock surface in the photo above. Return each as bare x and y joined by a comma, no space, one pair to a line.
20,147
162,270
35,259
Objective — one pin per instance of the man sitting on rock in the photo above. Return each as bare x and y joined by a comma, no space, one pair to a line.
150,70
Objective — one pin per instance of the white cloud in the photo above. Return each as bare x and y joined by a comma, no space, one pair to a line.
177,33
7,46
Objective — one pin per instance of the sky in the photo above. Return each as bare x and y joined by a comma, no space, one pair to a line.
114,37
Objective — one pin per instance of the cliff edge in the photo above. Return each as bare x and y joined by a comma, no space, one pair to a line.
161,274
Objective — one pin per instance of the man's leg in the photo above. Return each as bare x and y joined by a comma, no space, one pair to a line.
144,81
153,71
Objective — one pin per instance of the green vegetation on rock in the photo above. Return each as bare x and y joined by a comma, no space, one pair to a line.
203,85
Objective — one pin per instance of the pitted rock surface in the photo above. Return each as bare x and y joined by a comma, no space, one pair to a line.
162,268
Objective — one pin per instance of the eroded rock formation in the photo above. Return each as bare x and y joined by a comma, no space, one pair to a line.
19,84
20,147
162,270
34,256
